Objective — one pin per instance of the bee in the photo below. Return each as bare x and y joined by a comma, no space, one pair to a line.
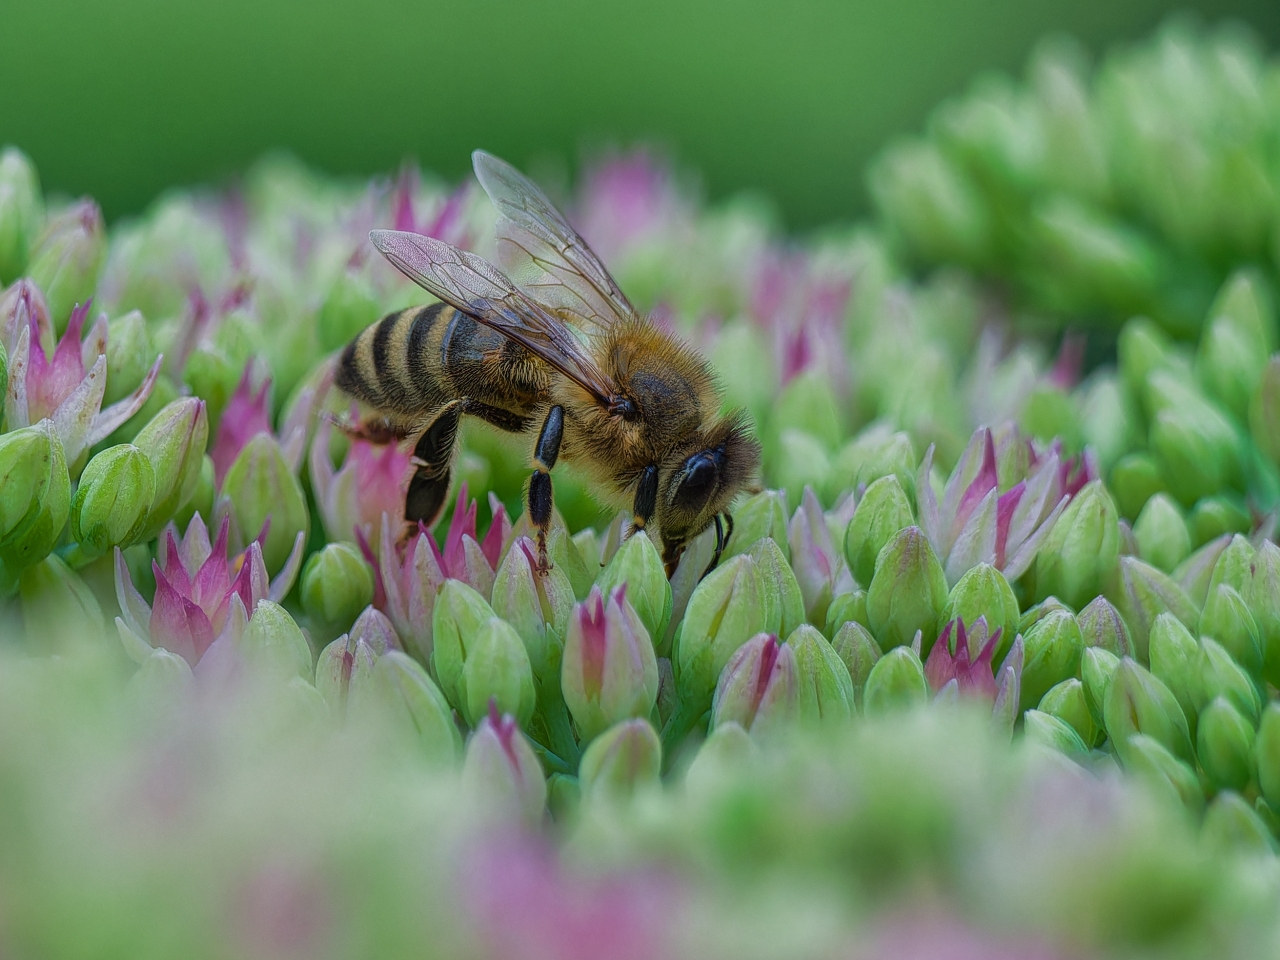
562,356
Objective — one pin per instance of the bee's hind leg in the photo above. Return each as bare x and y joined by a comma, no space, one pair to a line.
540,497
433,455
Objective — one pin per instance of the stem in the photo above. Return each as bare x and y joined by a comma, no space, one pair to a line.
681,724
560,733
550,762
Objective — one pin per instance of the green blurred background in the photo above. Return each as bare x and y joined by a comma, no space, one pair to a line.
122,99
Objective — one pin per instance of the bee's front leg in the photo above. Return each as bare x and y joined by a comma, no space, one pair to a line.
646,500
540,498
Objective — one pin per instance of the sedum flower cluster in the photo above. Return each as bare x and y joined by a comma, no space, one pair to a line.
988,666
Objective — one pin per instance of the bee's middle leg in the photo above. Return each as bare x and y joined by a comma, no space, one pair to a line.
434,453
540,499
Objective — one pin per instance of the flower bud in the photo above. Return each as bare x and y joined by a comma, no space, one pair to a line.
625,758
1035,614
1224,745
908,591
1144,594
59,609
1235,567
808,403
1195,573
1135,479
337,583
376,629
1214,517
1078,558
876,453
130,355
859,651
496,670
456,618
1102,626
1267,754
1151,761
173,443
1264,411
1161,533
113,500
850,607
350,306
797,460
638,566
895,682
501,770
881,513
262,487
274,645
720,760
344,676
1239,334
1264,602
761,515
984,592
1195,446
1227,619
758,688
65,260
1232,826
1049,731
35,497
1097,669
779,589
1067,702
1136,702
21,210
162,685
825,685
1222,676
725,611
1053,649
818,566
1176,660
406,685
537,606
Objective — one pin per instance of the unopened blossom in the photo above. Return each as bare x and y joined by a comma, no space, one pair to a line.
818,563
969,671
201,595
372,480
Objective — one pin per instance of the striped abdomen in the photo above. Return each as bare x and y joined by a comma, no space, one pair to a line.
395,365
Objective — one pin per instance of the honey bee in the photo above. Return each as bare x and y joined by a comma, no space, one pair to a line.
563,353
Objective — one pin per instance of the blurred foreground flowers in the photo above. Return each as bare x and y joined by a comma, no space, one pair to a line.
989,663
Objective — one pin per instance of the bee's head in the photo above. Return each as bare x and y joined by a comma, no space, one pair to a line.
702,479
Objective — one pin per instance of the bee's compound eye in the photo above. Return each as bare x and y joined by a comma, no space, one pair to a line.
698,482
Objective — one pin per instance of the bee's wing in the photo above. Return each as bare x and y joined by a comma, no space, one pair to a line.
474,286
544,254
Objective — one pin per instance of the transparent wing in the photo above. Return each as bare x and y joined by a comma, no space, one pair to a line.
476,287
546,256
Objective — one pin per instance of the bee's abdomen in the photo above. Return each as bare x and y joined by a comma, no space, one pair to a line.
394,364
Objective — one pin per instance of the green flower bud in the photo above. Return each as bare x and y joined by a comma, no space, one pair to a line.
261,485
1052,654
1235,342
456,619
874,454
162,685
882,512
1135,479
724,612
1102,626
1176,660
759,687
173,443
797,460
908,591
337,583
1163,539
350,306
113,500
1170,777
501,771
848,607
1267,754
1264,411
212,375
1232,826
825,685
376,629
1227,619
129,355
638,565
859,651
1193,442
1264,602
1213,517
1067,702
273,645
537,606
35,498
779,589
60,611
21,212
1195,573
1221,676
1224,744
1144,594
1050,412
621,761
809,404
1097,669
1078,558
1035,614
65,260
761,515
407,687
1136,702
720,760
344,677
984,592
1235,567
497,669
564,797
1049,731
896,681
